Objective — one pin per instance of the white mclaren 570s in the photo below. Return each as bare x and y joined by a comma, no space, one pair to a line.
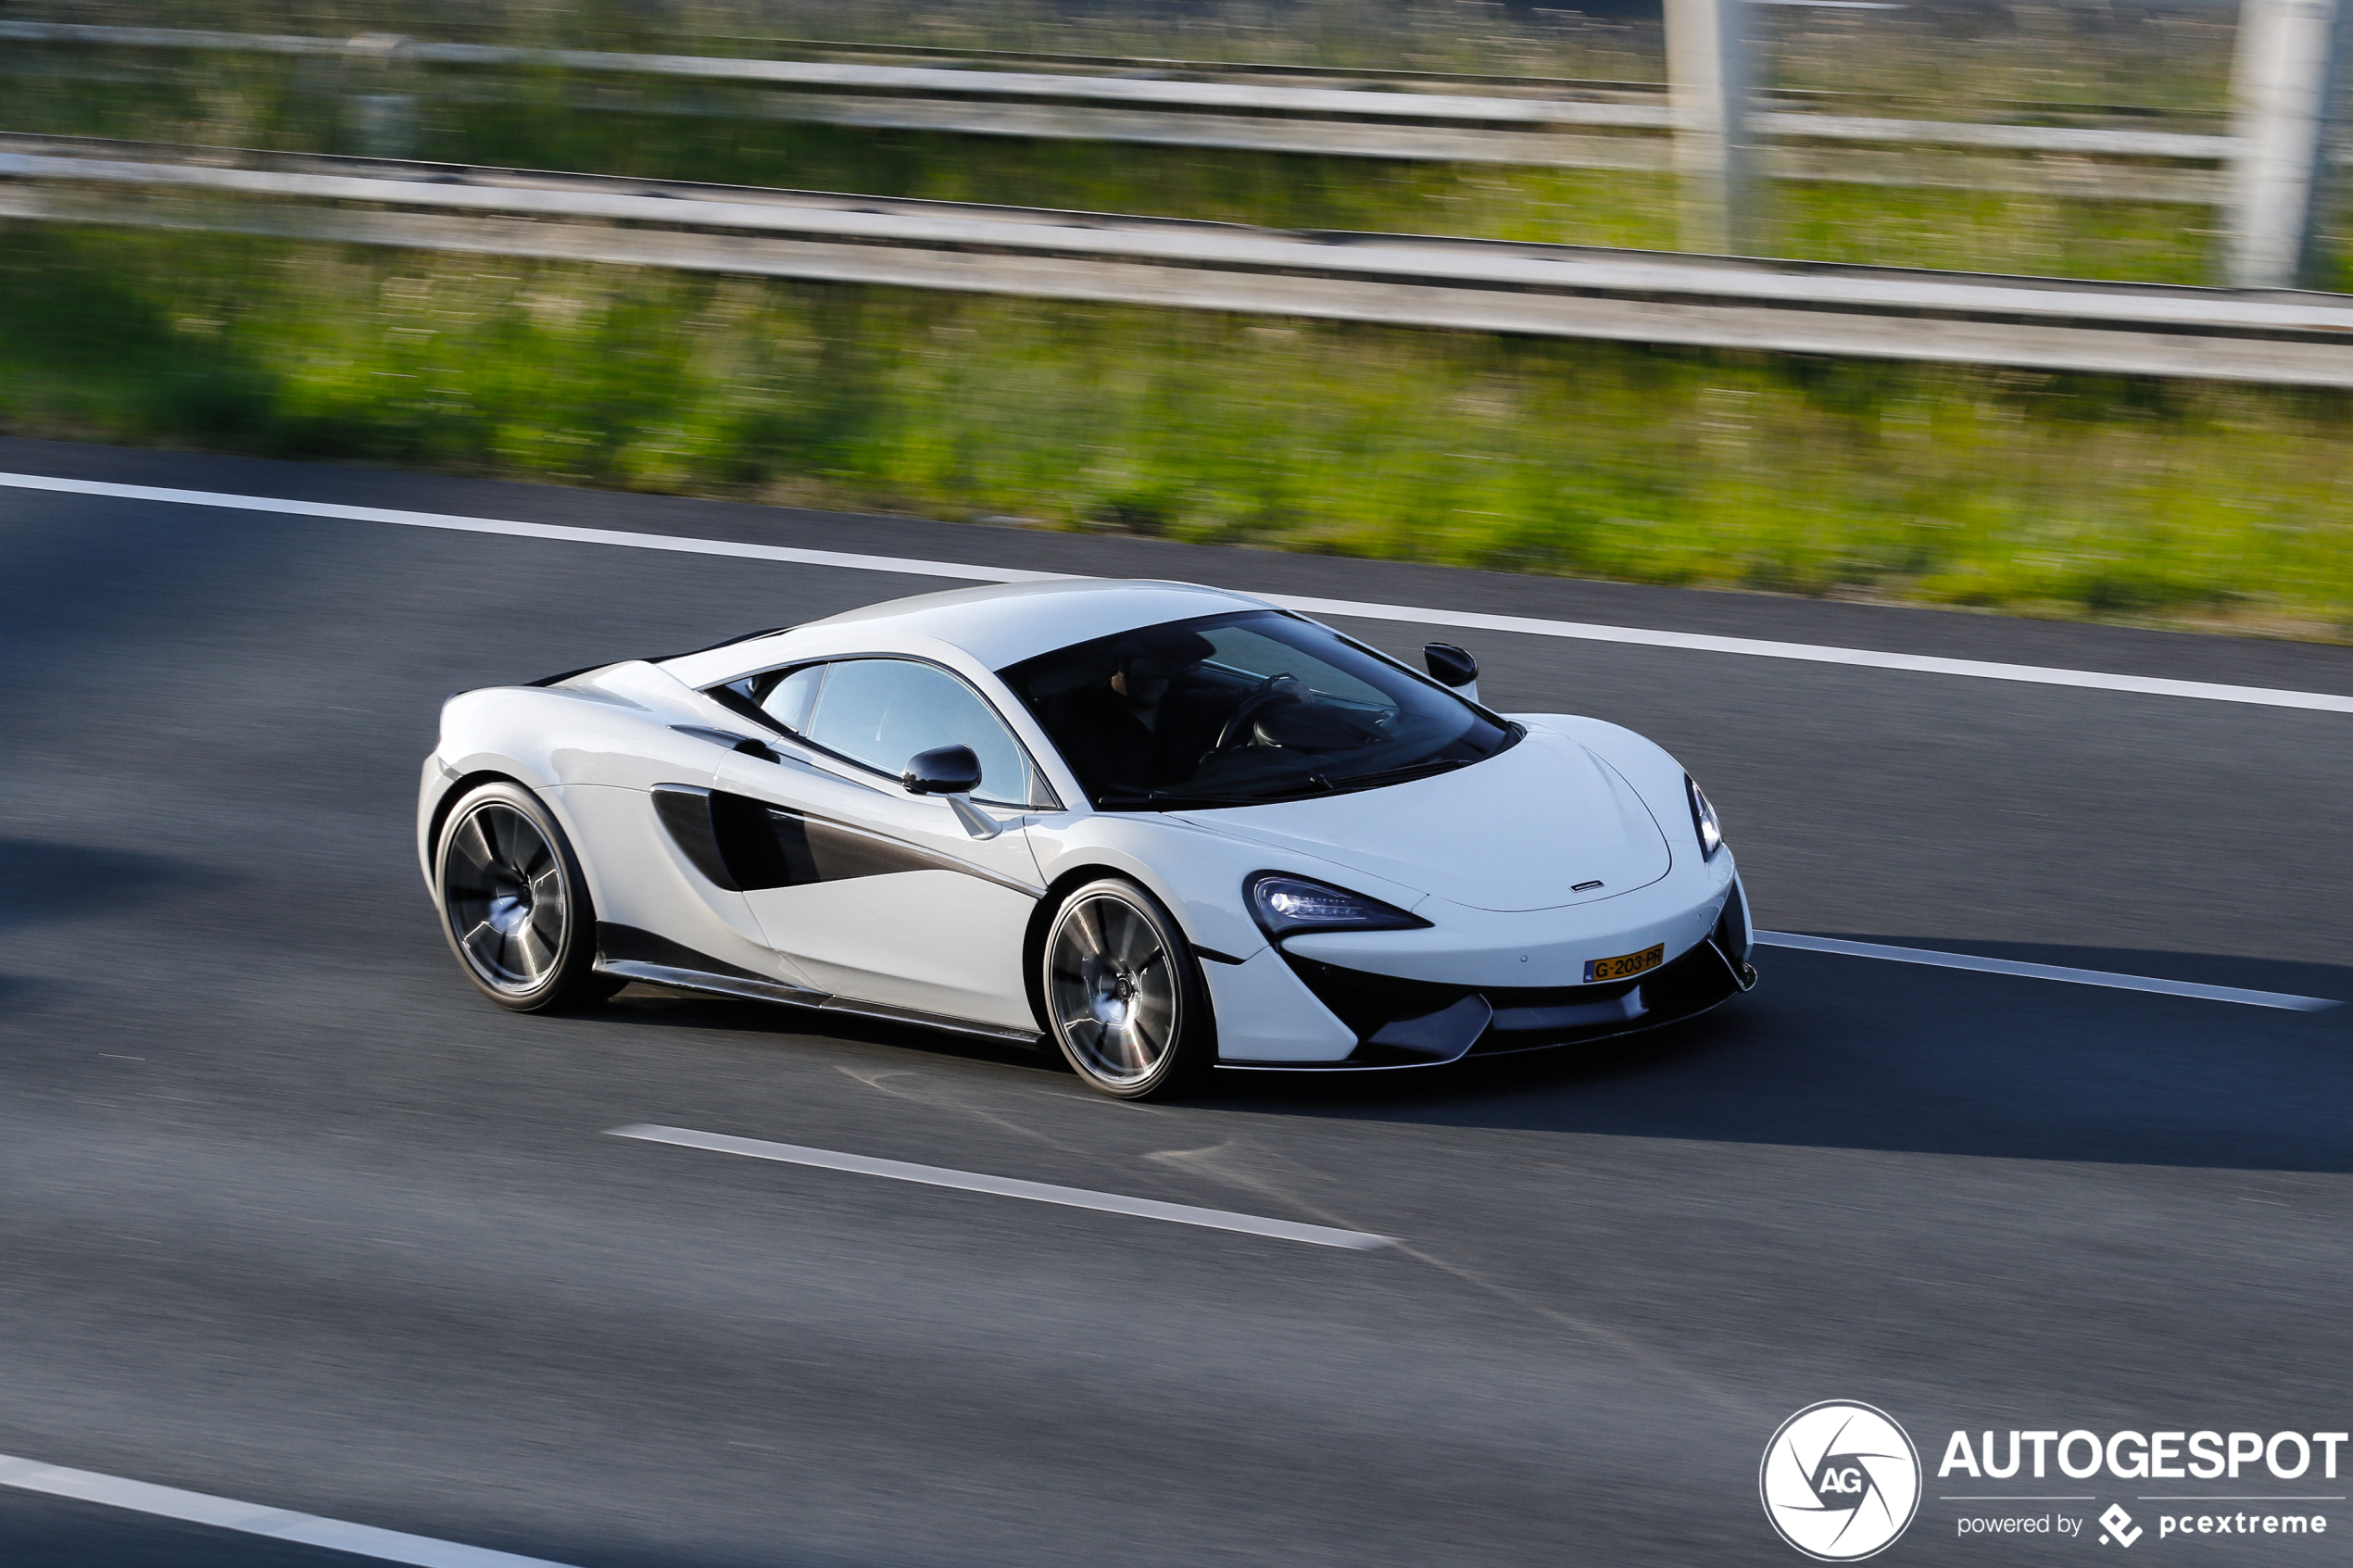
1169,828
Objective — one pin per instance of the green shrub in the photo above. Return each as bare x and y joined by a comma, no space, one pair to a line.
2106,497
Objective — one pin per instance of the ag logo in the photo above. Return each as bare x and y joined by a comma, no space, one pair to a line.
1839,1481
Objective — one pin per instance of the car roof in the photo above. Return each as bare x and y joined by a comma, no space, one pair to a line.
1004,623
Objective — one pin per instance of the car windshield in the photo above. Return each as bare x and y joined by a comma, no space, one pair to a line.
1243,709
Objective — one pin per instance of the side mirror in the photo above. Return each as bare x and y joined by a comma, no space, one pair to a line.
1452,667
944,769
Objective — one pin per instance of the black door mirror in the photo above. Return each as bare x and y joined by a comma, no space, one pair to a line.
1450,666
944,769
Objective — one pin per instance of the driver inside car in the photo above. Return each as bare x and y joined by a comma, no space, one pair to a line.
1146,723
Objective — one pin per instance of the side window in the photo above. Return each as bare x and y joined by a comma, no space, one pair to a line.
788,701
882,712
782,697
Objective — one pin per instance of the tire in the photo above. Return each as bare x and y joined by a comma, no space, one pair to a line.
514,906
1123,992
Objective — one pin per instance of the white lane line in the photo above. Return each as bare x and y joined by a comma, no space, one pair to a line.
1755,647
2046,972
1814,652
526,530
252,1519
1005,1186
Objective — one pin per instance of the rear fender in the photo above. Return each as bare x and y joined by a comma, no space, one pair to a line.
615,727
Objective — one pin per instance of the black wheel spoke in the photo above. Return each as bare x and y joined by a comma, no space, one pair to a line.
1089,921
533,952
546,923
509,828
469,848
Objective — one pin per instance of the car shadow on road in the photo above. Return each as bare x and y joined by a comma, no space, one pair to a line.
1836,1052
1858,1053
42,881
652,1006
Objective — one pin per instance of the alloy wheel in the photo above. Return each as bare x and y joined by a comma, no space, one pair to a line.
503,888
1111,984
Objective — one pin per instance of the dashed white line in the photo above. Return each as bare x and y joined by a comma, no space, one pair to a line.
1755,647
1007,1187
2046,972
254,1519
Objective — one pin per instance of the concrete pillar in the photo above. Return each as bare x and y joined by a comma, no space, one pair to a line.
2282,88
1709,76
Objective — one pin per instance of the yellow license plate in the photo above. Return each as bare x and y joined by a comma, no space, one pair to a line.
1624,964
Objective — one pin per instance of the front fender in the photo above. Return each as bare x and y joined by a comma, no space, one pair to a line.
1196,870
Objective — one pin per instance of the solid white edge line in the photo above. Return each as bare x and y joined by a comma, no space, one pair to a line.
1925,664
2046,972
1007,1187
252,1519
2150,685
674,543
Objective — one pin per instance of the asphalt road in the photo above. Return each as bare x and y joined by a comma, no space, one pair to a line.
288,1216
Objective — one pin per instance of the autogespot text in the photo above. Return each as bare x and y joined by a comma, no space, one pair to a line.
2153,1456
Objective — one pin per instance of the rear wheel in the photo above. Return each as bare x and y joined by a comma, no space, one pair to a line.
514,905
1124,993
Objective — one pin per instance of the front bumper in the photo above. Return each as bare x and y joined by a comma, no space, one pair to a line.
1401,1022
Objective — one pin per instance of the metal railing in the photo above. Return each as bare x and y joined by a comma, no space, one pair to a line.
1463,284
1537,122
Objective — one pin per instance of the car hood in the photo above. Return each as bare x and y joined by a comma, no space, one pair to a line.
1520,831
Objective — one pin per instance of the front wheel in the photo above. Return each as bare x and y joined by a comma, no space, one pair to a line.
1124,993
514,905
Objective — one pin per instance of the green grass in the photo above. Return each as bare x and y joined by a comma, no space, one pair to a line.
2155,502
2159,503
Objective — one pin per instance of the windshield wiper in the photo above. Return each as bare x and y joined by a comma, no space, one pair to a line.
1179,799
1400,775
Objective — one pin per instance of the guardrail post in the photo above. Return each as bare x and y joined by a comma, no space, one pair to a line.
1709,77
383,124
2283,90
381,120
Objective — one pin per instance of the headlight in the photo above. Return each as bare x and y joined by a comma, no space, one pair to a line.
1288,905
1711,836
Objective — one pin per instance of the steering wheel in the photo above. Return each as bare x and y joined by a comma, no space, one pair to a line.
1267,694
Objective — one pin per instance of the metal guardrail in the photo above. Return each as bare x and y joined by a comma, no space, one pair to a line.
1603,125
1563,291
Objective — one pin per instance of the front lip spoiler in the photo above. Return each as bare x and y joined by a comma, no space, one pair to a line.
1742,975
1483,1056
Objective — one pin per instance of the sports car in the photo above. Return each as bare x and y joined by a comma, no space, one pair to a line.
1166,828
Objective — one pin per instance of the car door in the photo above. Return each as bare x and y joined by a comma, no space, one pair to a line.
877,895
